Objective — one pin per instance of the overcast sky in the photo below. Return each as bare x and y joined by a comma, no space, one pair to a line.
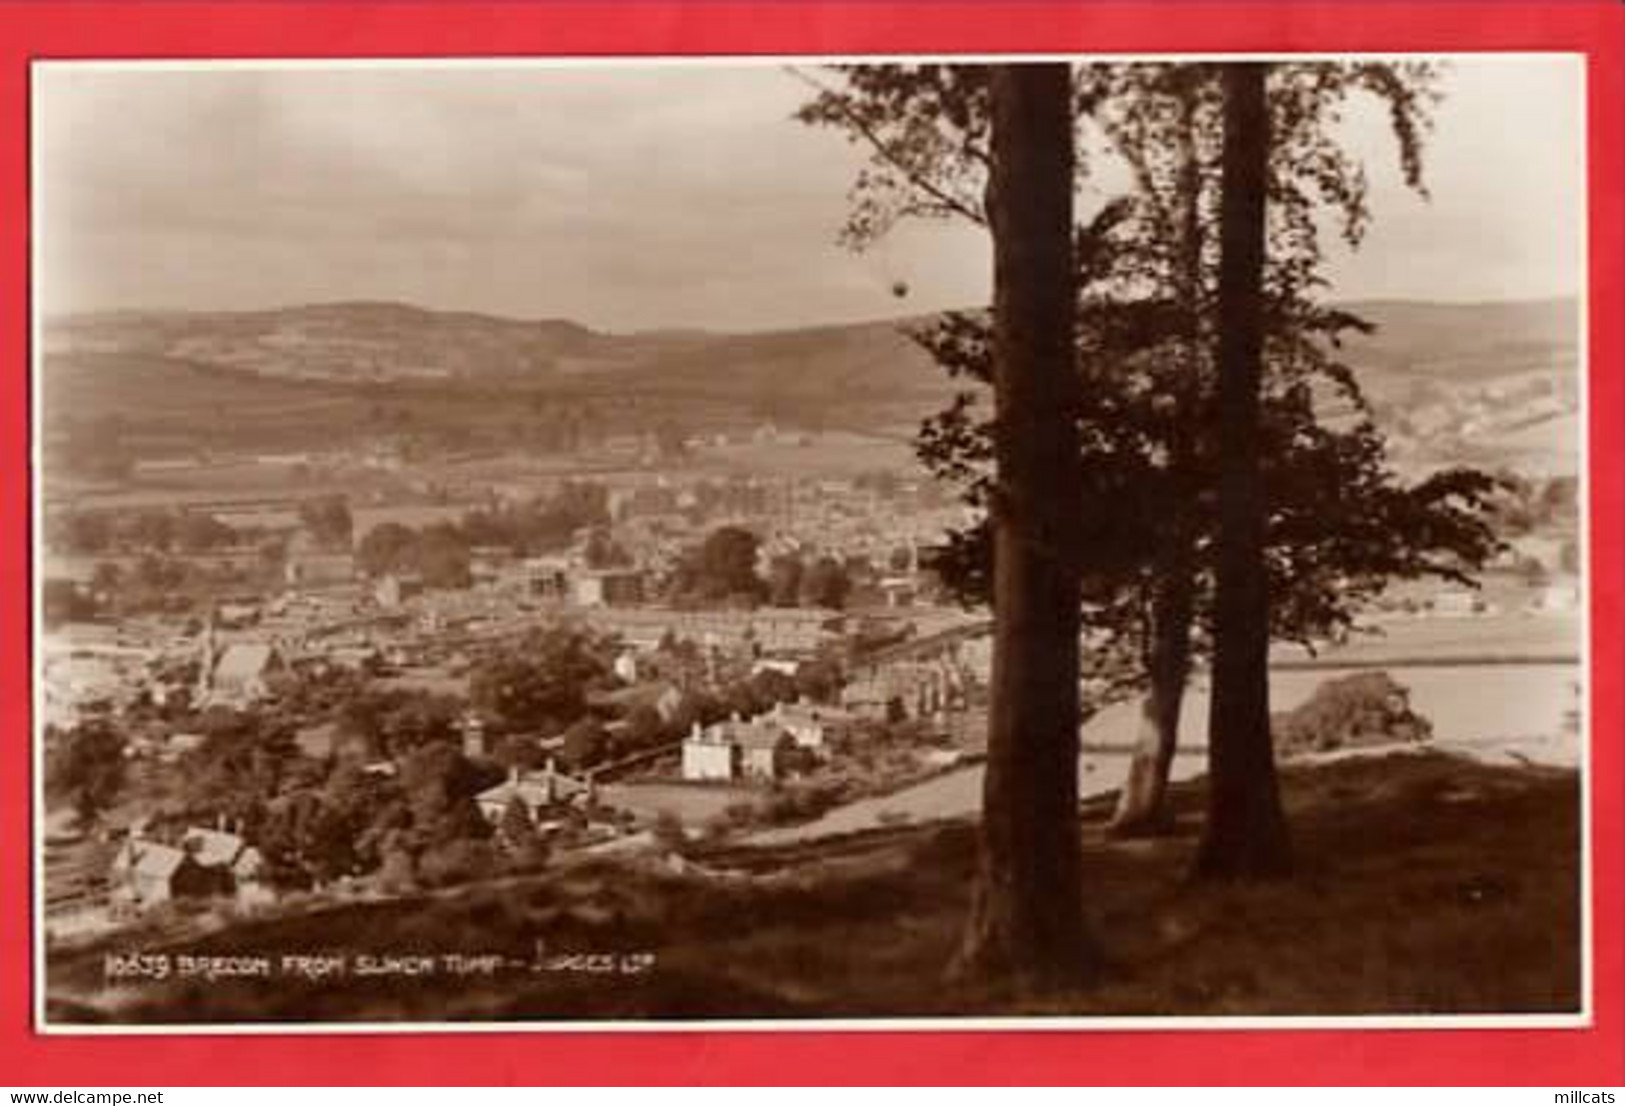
630,198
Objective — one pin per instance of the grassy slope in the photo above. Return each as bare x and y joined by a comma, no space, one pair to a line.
1428,884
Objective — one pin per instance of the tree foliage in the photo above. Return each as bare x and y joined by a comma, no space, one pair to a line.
722,568
437,554
826,583
542,684
1342,522
329,521
1361,708
88,770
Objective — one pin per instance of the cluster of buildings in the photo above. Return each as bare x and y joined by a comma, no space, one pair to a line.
545,796
912,688
765,631
763,748
325,614
567,578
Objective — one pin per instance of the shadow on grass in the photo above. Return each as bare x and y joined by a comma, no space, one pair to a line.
1428,884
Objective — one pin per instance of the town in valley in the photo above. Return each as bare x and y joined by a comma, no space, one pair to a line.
636,645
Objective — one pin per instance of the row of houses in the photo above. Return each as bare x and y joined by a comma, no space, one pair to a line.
912,689
788,631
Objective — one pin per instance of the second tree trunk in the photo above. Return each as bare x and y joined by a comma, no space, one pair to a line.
1026,925
1246,834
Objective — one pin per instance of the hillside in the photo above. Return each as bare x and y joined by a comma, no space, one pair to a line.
385,342
1427,885
1469,342
392,343
345,342
1446,378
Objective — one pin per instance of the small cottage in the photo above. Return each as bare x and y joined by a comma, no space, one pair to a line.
540,792
242,673
146,873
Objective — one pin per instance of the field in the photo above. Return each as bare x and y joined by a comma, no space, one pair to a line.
833,455
415,515
1427,884
692,804
1513,634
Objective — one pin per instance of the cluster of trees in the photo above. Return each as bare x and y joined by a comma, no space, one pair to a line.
544,525
89,533
723,570
553,684
542,684
328,521
315,819
318,820
1361,708
820,582
1158,466
86,768
438,553
147,585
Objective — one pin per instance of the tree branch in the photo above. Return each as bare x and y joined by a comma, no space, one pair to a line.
945,199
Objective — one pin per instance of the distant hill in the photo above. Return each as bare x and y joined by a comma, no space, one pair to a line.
274,365
335,341
1472,341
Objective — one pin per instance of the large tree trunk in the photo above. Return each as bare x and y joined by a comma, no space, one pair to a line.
1026,924
1142,804
1246,834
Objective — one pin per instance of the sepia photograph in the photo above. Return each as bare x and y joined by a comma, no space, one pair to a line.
860,542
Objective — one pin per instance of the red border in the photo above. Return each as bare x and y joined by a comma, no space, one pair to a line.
270,29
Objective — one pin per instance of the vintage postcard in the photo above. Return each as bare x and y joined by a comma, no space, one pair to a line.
1080,540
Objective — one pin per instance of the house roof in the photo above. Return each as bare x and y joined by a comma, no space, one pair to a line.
212,848
533,790
628,698
317,741
244,660
761,733
149,860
